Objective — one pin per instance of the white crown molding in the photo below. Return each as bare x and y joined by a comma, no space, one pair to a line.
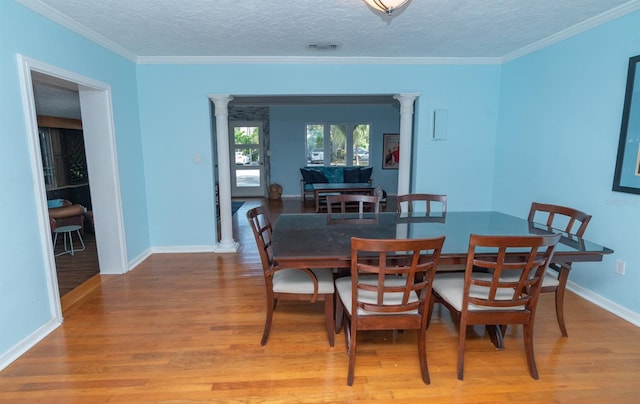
364,60
616,12
64,20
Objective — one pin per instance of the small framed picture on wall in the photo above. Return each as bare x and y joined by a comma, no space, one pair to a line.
391,151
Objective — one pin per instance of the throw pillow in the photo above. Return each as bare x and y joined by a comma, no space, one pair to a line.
54,203
334,174
318,177
307,175
365,174
352,175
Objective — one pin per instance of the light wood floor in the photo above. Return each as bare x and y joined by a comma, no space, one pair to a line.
187,328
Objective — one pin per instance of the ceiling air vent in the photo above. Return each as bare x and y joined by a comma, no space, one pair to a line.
322,46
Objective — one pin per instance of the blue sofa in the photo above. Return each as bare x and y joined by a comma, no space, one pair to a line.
332,174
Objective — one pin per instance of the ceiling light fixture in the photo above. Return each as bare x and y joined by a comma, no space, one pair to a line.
386,6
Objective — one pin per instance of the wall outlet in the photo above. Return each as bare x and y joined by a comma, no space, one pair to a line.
620,268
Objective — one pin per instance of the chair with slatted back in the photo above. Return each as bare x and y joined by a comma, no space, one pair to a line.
346,203
420,202
289,284
389,289
492,297
572,222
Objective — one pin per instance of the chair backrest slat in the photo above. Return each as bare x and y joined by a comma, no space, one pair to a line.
342,202
418,202
490,261
399,272
261,227
563,218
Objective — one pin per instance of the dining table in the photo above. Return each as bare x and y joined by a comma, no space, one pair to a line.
319,240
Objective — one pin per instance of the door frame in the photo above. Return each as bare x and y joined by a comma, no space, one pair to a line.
100,147
261,190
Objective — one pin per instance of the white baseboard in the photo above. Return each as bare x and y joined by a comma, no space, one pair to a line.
608,305
27,343
183,249
138,260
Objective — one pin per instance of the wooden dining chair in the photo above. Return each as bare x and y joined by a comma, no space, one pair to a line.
420,202
572,222
487,297
343,202
389,289
289,283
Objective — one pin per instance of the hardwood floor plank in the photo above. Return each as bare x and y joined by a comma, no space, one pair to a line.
73,270
187,327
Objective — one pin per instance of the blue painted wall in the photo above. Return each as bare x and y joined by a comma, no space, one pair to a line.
462,165
559,125
24,305
288,129
543,127
176,122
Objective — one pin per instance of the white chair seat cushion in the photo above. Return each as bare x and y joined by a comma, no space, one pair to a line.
450,287
297,281
343,288
549,280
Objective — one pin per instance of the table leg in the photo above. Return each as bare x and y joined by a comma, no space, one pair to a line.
495,334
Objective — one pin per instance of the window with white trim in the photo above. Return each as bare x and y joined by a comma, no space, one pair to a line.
338,144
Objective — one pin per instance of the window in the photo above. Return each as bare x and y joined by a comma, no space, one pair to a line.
361,145
340,143
246,145
63,157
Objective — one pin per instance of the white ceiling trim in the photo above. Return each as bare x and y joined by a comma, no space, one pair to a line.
617,12
313,60
82,30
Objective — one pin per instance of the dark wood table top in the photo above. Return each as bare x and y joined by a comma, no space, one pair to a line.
311,240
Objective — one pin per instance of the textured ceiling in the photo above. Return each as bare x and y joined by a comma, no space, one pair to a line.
281,28
148,31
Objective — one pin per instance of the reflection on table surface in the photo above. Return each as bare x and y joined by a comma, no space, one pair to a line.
315,236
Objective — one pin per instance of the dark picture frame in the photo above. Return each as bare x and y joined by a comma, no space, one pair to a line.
627,174
390,151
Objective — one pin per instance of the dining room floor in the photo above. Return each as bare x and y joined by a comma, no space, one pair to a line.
187,327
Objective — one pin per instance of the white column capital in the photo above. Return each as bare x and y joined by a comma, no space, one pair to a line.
406,101
221,101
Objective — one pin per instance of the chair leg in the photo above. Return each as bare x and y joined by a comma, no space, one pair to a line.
422,353
339,314
328,318
432,303
352,353
528,347
271,304
81,240
461,341
562,279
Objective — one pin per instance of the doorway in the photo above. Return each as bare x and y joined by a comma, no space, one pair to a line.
99,140
247,154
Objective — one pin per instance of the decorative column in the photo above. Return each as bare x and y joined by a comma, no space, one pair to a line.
227,244
406,135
